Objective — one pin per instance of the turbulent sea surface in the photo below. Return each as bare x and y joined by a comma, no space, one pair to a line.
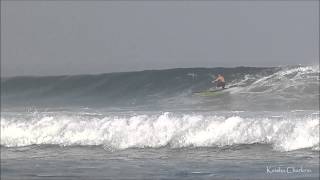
151,125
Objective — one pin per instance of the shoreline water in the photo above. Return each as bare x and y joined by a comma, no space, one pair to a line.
95,162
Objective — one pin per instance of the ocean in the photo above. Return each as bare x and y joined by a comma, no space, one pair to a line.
151,125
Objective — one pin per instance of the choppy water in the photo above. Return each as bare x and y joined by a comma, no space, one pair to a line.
150,125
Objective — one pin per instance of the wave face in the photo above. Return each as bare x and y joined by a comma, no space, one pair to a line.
166,129
253,88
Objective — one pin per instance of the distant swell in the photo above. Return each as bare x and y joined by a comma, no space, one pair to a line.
167,129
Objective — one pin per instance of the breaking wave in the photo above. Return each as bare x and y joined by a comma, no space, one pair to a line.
252,88
166,129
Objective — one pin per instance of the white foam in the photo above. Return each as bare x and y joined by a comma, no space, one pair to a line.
296,80
161,130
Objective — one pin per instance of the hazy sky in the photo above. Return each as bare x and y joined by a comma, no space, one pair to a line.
85,37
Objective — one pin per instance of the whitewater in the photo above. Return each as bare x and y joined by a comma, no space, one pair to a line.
283,133
152,121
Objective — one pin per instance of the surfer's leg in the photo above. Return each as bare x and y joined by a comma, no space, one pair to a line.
219,84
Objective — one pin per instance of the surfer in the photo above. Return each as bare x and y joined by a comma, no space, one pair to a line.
220,81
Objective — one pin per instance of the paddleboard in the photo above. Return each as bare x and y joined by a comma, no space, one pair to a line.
210,92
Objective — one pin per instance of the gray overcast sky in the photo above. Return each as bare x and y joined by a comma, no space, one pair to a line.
85,37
